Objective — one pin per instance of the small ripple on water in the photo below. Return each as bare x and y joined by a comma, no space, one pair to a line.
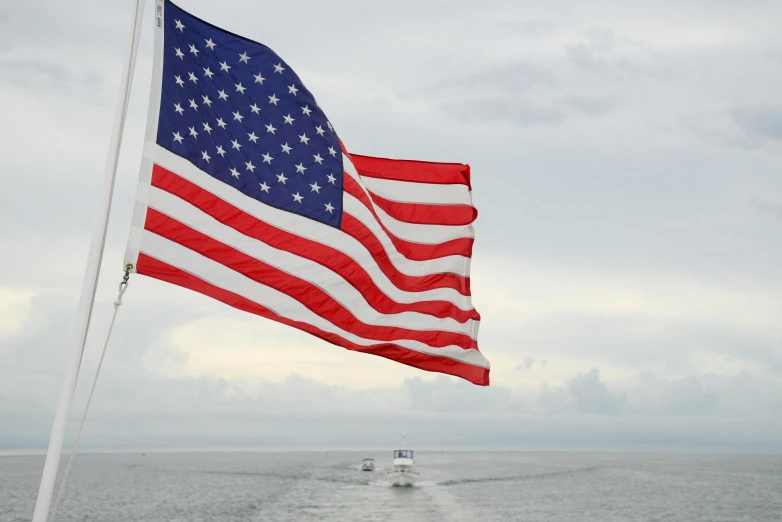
517,478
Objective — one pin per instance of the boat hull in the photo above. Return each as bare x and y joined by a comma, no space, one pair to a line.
402,478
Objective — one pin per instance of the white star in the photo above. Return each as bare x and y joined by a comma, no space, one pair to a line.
288,119
281,178
306,110
193,78
177,137
224,66
220,151
235,144
210,44
329,208
250,166
193,104
319,130
292,89
252,137
244,58
332,179
315,187
332,151
207,101
193,49
193,132
267,158
179,81
238,116
220,123
279,68
259,78
273,99
297,198
239,88
222,95
178,108
180,26
318,159
329,124
301,168
254,108
180,54
235,173
208,73
270,128
264,187
205,156
304,139
207,128
286,149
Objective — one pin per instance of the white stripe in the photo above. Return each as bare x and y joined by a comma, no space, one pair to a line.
278,302
412,192
315,273
459,265
413,232
321,233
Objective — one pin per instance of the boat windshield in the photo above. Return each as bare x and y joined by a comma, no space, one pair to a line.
403,454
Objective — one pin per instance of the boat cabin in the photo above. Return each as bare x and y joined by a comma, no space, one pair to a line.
403,461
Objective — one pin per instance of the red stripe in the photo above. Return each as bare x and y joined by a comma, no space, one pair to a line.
413,251
359,230
303,291
426,214
329,257
154,268
408,170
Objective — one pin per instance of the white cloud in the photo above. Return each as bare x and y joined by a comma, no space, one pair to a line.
14,309
512,292
242,347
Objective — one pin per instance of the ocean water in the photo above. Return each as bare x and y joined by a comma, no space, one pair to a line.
456,486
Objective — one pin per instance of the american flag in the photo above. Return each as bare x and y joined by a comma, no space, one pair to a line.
247,195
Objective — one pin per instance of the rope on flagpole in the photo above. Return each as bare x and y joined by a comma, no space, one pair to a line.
123,286
90,281
114,165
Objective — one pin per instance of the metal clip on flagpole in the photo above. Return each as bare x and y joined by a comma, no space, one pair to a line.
90,283
123,286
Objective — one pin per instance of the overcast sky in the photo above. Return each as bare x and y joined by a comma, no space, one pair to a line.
627,167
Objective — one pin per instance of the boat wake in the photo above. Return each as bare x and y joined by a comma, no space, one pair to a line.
516,478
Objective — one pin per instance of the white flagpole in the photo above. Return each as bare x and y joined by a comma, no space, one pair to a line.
91,275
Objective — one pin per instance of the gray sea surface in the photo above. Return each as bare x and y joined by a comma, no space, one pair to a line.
302,486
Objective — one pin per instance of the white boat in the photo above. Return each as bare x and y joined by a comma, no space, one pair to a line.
402,471
368,465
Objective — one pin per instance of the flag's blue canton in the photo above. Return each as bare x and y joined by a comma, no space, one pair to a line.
236,110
